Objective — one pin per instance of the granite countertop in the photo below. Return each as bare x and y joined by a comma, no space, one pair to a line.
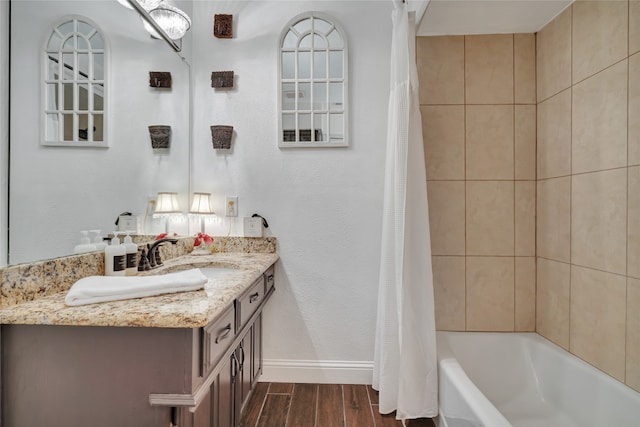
178,310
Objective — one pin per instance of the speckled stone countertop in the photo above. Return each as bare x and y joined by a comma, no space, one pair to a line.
178,310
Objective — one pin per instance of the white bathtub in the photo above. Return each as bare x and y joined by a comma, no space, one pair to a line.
524,380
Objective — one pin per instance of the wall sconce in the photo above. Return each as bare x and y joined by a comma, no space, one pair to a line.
167,207
201,206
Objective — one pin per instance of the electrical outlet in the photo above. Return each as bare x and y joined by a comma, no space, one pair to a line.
231,207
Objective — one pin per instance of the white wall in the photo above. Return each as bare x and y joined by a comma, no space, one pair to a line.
323,205
4,127
56,192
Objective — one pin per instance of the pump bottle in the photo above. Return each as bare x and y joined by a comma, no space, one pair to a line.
115,258
132,256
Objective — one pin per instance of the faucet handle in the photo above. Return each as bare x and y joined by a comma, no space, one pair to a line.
144,264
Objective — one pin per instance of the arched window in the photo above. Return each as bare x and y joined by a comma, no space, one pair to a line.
313,91
75,85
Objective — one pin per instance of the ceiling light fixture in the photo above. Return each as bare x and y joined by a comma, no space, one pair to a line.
172,20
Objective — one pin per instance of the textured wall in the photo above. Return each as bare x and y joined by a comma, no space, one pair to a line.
323,205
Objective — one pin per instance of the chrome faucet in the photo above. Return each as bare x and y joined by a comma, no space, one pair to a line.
151,257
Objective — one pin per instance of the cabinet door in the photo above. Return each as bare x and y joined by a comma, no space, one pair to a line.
243,381
256,350
223,400
203,414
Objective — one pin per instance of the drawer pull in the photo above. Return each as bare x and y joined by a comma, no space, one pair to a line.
254,297
270,278
225,334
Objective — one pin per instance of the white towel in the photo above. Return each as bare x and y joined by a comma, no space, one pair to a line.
94,289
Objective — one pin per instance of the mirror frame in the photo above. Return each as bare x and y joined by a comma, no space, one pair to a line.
344,80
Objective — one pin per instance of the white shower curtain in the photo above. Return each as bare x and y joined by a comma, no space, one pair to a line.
405,367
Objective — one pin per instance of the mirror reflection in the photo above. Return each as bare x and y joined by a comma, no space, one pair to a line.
58,191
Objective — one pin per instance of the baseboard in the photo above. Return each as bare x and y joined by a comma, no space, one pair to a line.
317,371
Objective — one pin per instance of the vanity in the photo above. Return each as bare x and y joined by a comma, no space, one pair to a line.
185,359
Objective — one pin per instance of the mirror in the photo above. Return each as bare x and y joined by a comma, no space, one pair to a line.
313,83
57,191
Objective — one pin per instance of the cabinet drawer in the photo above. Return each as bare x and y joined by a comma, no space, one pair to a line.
250,300
217,338
269,279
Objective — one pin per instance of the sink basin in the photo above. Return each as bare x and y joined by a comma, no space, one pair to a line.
218,272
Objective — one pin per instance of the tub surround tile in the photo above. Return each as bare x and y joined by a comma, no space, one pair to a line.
553,56
490,218
490,294
525,142
632,374
600,36
554,219
634,26
489,142
447,217
633,223
179,310
599,121
441,69
553,301
634,109
449,292
524,63
525,218
554,136
443,135
489,69
598,316
599,220
525,299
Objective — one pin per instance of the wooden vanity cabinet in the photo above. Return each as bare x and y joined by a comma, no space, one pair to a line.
59,376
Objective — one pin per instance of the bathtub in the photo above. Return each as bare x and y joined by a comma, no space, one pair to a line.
524,380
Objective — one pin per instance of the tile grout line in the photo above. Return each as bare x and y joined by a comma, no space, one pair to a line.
513,117
293,389
264,401
344,411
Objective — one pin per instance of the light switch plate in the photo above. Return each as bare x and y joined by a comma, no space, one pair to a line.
252,227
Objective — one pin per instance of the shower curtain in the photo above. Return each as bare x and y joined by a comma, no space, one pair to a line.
405,367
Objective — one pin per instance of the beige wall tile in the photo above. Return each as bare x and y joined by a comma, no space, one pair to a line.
553,56
490,141
553,301
600,36
634,109
633,334
443,135
449,292
525,311
599,220
599,121
441,69
490,294
633,222
598,316
488,69
553,219
490,218
525,142
524,63
525,218
554,136
634,26
447,217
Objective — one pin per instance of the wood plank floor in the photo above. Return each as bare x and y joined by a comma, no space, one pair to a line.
318,405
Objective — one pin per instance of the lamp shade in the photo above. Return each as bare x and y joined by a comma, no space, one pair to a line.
167,203
201,203
172,20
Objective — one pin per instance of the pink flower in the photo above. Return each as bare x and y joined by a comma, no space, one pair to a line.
202,238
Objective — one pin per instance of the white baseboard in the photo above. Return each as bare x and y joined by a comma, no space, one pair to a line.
317,371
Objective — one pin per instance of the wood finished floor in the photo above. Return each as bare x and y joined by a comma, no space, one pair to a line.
318,405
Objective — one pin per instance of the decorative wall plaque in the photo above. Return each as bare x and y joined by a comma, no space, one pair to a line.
221,136
222,79
160,79
223,26
160,136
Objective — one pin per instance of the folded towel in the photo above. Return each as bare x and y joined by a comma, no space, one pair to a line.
94,289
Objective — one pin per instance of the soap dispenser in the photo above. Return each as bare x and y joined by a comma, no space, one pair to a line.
132,255
115,258
97,240
85,244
